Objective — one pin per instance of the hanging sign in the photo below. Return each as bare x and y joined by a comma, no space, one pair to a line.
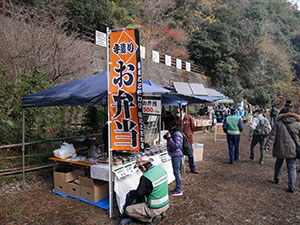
152,106
125,91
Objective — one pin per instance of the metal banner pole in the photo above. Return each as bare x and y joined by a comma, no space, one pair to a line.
159,125
181,124
23,146
111,196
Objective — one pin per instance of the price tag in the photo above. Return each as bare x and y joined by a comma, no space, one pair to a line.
164,157
121,172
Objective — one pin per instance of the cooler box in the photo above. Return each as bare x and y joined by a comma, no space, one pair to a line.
198,152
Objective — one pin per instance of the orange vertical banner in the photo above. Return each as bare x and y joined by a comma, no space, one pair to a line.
125,91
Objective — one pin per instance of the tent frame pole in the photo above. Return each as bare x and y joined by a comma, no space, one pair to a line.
23,147
110,191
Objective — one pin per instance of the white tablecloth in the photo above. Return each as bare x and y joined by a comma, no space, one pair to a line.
130,182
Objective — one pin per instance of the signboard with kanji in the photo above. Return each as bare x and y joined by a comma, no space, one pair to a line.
152,106
125,91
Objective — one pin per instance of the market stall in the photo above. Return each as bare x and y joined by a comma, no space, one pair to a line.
92,90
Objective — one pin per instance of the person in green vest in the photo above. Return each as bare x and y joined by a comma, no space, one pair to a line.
256,136
219,115
232,126
153,187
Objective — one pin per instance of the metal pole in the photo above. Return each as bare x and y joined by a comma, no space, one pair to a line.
111,196
23,147
159,126
181,124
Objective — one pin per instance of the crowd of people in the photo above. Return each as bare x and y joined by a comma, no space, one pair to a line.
150,201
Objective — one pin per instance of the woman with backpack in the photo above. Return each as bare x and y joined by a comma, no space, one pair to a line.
174,146
285,135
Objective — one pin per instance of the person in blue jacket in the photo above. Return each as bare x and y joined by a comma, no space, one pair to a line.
174,146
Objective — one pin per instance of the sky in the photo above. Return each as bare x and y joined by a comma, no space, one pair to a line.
296,3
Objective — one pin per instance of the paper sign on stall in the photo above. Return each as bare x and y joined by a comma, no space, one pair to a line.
164,157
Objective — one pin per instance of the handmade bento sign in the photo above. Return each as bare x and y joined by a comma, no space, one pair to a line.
125,91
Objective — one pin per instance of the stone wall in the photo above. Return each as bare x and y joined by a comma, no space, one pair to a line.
158,73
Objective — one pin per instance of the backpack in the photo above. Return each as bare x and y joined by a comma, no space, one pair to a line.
186,146
264,127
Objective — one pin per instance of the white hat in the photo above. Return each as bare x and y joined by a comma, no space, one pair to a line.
142,160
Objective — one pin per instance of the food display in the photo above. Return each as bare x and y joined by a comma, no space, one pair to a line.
119,157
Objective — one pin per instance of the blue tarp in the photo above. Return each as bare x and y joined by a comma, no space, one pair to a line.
103,204
92,90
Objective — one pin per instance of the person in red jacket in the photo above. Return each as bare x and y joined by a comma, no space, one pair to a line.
188,127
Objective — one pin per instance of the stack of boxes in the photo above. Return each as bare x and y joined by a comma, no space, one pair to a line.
73,182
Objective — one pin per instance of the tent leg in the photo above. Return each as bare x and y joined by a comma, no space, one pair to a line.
181,124
23,146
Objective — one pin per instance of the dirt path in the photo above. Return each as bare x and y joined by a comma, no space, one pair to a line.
221,194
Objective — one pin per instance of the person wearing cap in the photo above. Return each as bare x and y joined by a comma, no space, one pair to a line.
285,137
256,137
232,126
153,187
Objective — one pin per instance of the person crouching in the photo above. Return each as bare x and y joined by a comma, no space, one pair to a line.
154,186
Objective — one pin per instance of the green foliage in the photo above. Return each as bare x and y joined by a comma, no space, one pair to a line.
242,49
94,119
10,102
260,96
92,14
40,122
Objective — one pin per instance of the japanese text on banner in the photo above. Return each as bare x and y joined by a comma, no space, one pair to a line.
125,87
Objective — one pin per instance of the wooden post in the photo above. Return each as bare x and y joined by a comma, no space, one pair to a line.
23,146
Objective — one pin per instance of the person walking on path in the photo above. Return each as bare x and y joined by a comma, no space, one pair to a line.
232,126
273,114
285,135
174,146
188,128
258,137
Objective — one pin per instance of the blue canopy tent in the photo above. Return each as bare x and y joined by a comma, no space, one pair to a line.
92,90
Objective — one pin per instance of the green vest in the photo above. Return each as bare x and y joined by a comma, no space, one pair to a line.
159,196
233,125
260,117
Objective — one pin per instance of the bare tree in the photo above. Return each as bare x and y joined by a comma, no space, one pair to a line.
31,39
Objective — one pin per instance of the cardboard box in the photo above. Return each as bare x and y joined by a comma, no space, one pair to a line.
73,189
93,190
66,174
60,187
63,175
198,152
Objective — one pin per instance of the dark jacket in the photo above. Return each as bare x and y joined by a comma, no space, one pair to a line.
284,146
175,142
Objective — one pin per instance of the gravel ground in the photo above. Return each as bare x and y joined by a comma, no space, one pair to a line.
242,193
